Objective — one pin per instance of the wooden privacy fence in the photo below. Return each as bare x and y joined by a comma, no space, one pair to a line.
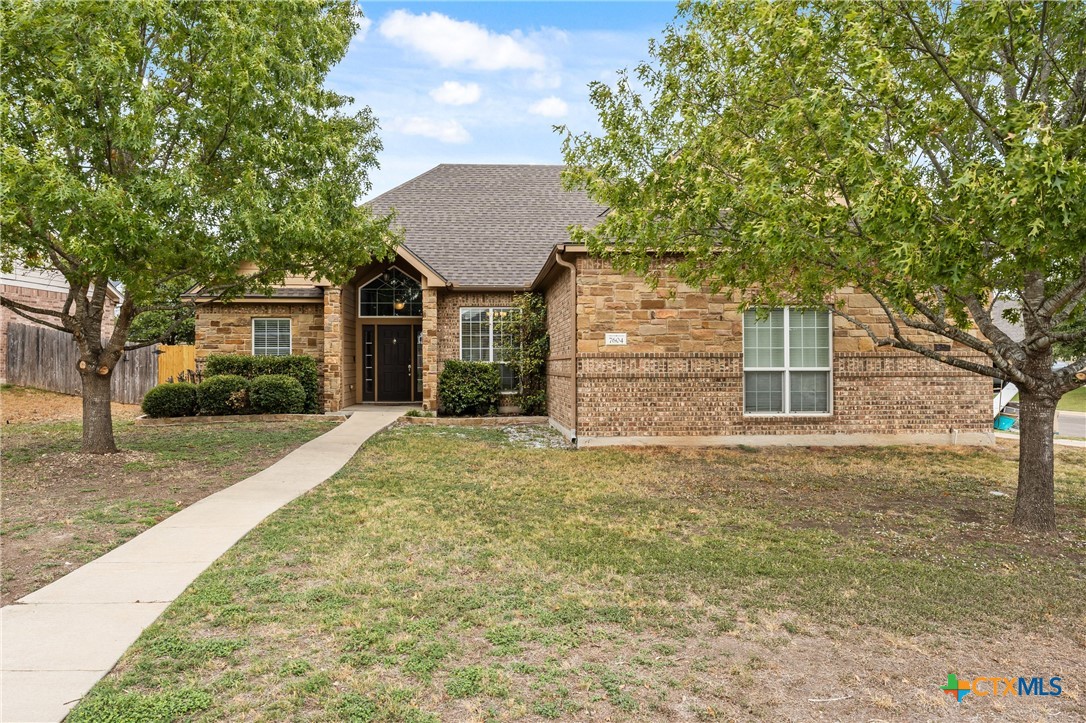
174,360
47,358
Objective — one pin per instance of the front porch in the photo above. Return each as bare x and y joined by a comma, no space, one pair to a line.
374,338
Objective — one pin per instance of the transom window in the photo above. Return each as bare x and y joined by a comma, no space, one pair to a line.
487,335
393,293
271,337
786,361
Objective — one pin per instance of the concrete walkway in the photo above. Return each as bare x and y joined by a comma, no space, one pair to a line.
58,641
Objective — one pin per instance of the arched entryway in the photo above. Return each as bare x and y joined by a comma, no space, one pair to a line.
389,336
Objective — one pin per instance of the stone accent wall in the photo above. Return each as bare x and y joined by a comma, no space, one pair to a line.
429,348
228,328
333,349
560,379
448,307
52,300
681,372
677,318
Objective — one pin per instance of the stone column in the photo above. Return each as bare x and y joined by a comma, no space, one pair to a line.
333,349
429,348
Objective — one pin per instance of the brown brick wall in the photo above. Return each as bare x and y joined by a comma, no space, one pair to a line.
681,372
52,300
644,394
560,380
447,316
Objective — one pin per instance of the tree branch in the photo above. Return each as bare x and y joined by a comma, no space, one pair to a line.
963,92
26,311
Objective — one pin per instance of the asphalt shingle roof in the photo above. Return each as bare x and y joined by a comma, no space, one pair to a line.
487,225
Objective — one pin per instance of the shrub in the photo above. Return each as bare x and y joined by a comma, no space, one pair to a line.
528,352
223,394
301,367
469,387
171,400
276,394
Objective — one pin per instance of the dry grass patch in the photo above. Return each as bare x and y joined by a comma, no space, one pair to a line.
457,574
62,509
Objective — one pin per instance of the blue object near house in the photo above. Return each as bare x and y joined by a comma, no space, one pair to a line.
1003,422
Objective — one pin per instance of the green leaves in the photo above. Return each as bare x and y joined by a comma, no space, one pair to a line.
143,141
792,146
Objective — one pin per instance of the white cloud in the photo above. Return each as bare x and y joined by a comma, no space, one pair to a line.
452,93
458,43
545,81
445,130
364,25
552,107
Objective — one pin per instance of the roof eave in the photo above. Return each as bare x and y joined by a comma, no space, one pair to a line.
548,266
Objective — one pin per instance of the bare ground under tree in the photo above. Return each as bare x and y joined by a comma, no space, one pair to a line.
62,508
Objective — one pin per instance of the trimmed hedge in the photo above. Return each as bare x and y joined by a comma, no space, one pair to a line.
171,400
276,394
223,394
301,367
469,387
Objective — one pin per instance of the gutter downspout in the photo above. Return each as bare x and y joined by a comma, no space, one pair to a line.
573,349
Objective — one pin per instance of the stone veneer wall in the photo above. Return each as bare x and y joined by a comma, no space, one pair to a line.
560,381
429,348
42,298
333,381
445,312
227,329
681,373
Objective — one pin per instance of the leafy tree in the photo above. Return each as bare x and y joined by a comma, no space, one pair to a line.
151,141
174,322
928,153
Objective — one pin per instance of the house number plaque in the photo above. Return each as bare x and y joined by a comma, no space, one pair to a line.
614,339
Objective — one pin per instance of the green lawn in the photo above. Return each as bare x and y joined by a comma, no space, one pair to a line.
1073,401
461,574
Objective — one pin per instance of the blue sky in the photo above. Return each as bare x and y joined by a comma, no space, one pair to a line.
485,82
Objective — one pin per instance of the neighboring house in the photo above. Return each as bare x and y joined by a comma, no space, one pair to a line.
41,289
629,363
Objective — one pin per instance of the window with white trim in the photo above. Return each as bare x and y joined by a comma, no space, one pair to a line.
271,337
486,335
787,361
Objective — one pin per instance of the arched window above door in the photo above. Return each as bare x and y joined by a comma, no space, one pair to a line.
393,293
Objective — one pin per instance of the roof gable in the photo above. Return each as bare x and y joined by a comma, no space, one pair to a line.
487,225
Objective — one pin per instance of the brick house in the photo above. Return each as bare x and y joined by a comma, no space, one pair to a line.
628,363
42,289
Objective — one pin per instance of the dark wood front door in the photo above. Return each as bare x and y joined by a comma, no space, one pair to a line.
394,356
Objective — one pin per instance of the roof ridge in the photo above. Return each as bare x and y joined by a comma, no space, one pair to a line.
505,165
397,188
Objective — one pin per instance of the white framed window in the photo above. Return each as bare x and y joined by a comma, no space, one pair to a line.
271,337
486,334
787,361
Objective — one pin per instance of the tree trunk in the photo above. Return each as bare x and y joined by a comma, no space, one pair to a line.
1035,506
97,413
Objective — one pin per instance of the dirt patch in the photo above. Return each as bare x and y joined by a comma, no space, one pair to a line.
62,509
21,405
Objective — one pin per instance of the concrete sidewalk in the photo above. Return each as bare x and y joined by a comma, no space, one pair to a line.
58,641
